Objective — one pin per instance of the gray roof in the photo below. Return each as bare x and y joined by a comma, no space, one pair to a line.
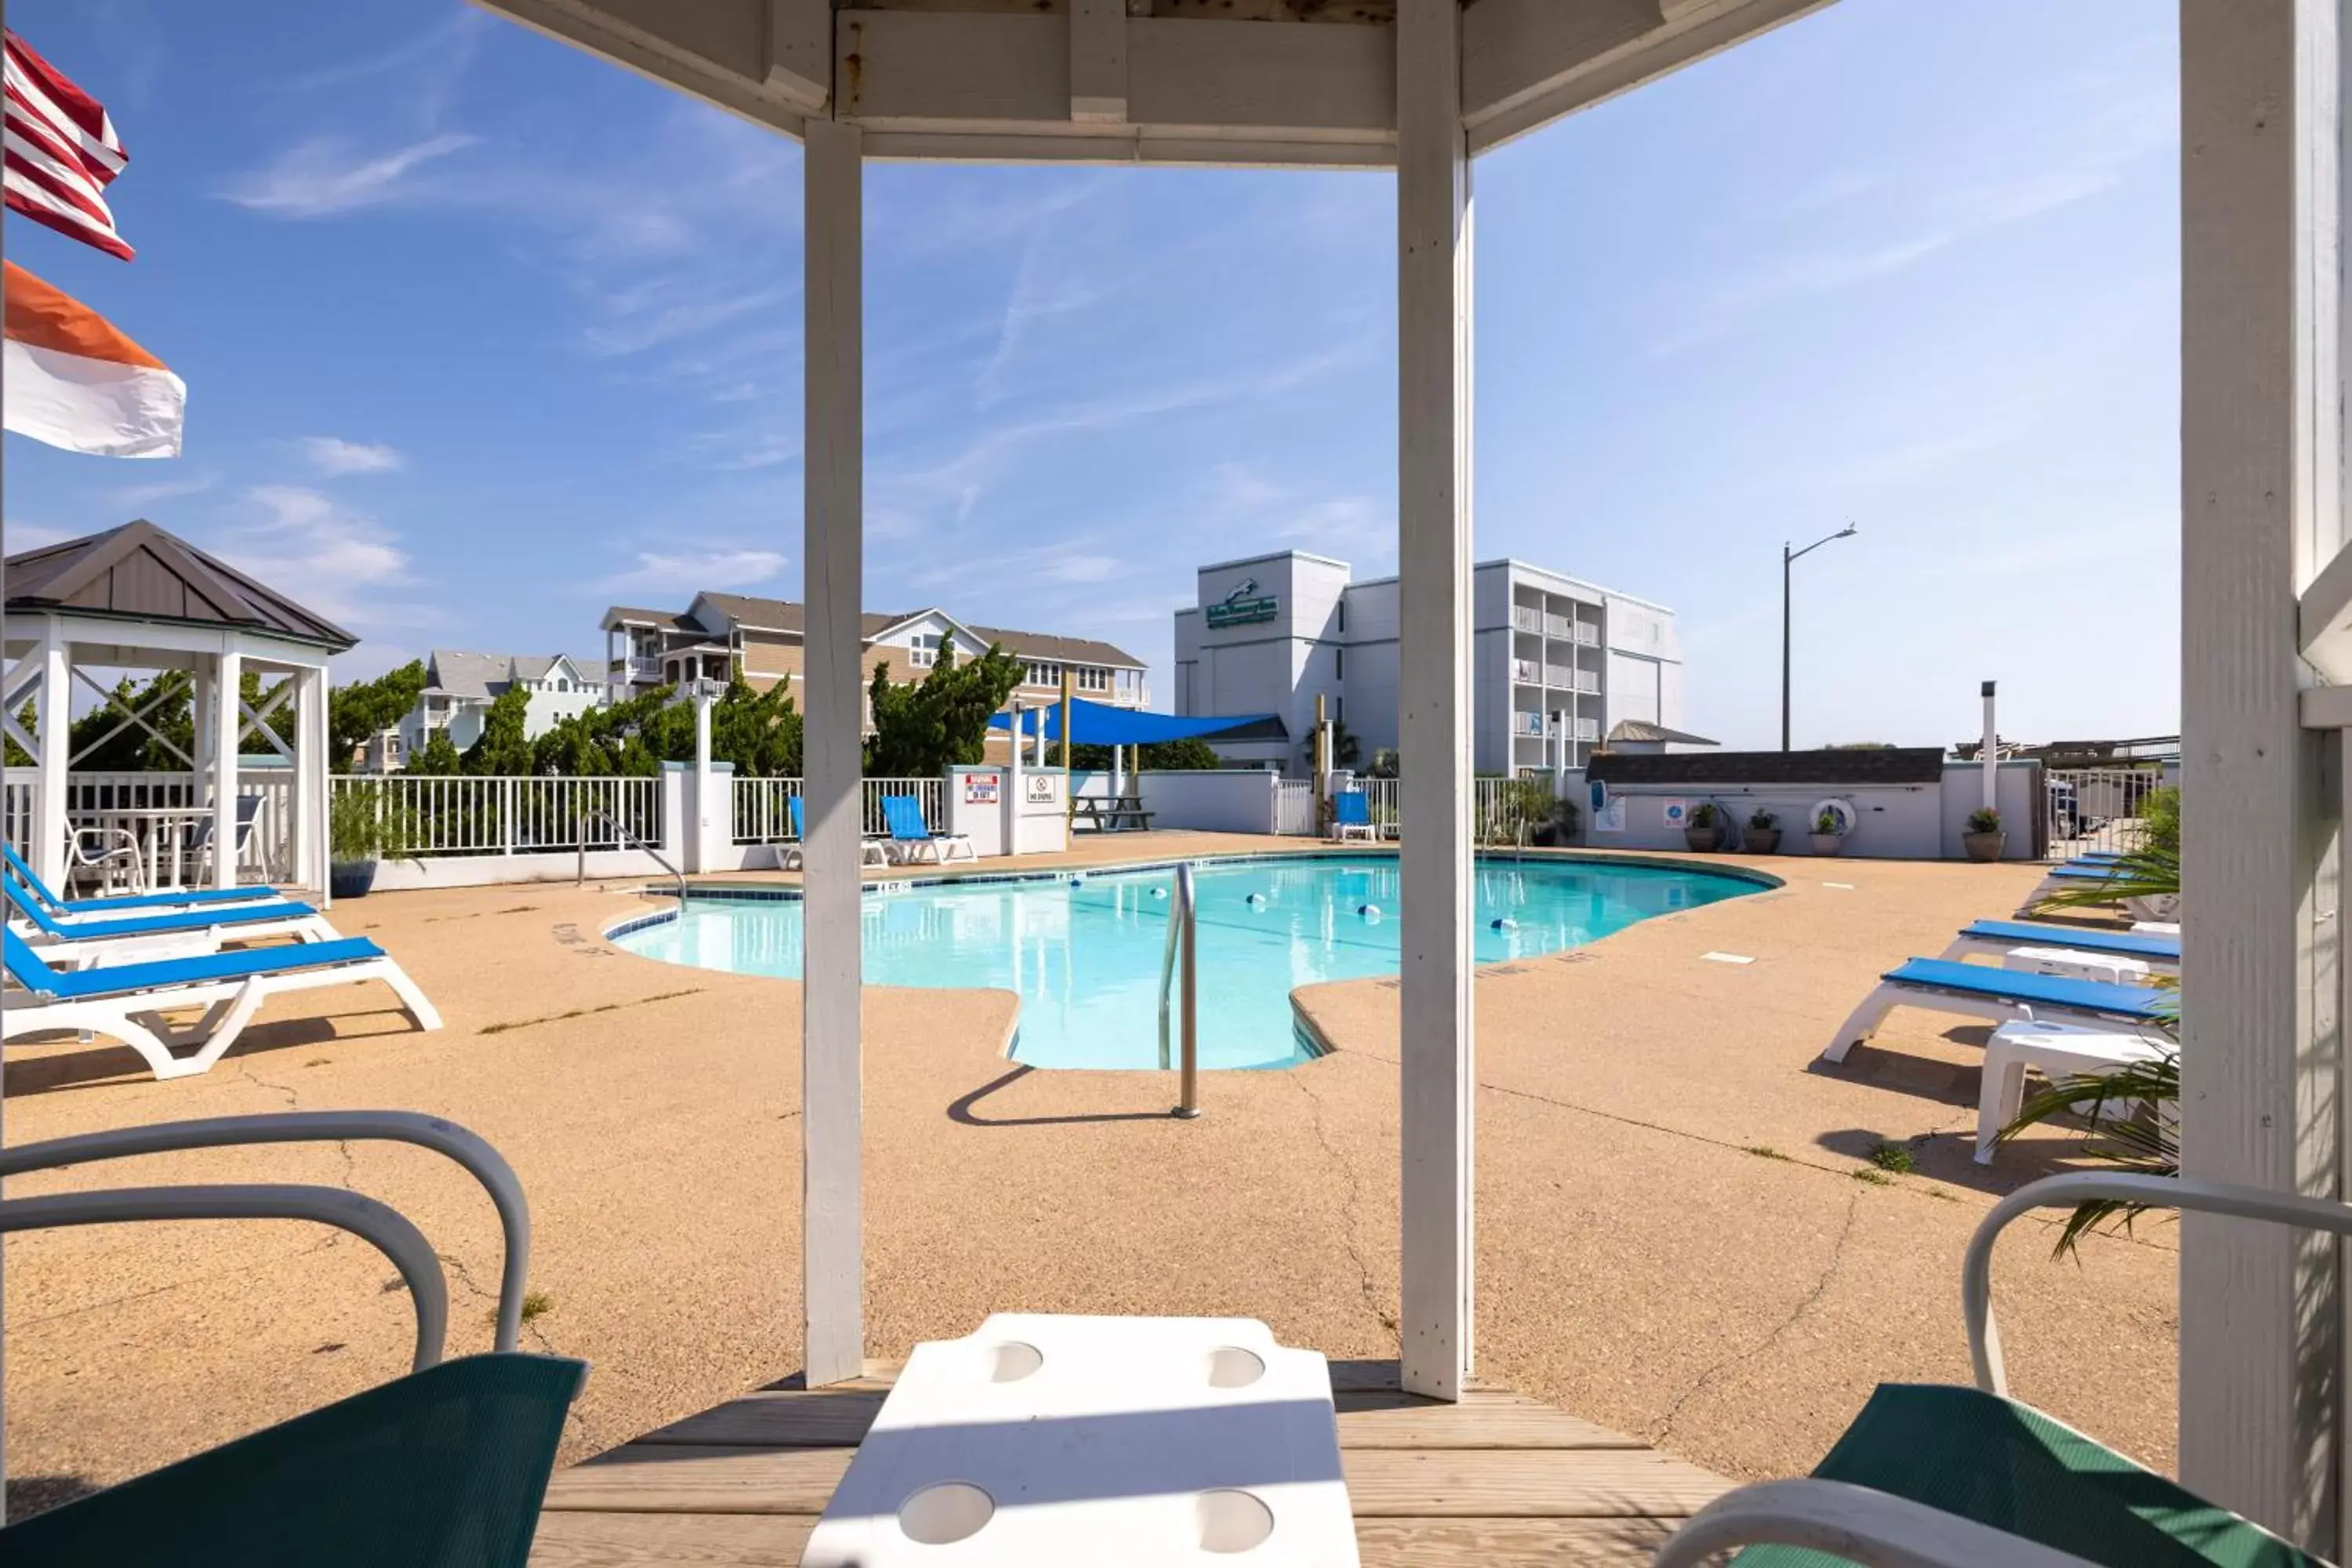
485,675
139,573
1643,729
785,615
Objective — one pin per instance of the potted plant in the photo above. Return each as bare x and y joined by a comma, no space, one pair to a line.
1984,838
364,830
1763,832
1829,832
1700,830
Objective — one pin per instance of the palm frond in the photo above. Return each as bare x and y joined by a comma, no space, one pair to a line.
2152,872
2133,1127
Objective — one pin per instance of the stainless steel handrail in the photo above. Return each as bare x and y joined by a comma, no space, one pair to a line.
624,837
1183,932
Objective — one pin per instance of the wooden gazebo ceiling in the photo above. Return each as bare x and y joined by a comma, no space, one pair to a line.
1306,82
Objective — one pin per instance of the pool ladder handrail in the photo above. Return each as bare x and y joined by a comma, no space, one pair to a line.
1183,931
624,836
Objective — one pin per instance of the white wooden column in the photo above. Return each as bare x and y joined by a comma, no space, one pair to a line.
229,684
832,1210
308,851
1434,561
2260,514
54,716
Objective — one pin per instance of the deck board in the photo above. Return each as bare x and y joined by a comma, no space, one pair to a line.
1497,1479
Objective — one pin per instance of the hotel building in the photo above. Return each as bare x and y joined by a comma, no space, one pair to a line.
1558,661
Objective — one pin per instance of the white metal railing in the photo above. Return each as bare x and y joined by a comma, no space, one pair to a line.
932,792
1526,670
1558,627
497,815
1380,805
1588,681
1588,728
1293,809
2095,810
1528,724
1526,620
1559,675
1587,633
763,810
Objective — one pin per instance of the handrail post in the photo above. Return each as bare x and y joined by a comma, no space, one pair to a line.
1188,1095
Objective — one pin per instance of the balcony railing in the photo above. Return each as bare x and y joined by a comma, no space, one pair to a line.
1526,620
1526,670
1527,725
1587,633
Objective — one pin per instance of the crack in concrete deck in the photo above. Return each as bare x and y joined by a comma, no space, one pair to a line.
1731,1363
1351,1207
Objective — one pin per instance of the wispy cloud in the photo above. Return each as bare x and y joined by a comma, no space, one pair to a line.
339,562
330,176
333,456
654,571
130,497
1045,286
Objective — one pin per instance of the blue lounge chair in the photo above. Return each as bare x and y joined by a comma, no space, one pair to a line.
162,934
2000,995
126,1002
870,850
1351,816
74,909
2079,875
910,836
1996,937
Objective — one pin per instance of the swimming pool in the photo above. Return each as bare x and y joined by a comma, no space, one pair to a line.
1084,959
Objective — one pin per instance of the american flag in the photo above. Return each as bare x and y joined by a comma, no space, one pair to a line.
61,151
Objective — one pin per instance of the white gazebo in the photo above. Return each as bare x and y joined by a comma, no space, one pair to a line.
136,598
1421,87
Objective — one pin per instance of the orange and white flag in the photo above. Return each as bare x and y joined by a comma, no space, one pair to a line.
73,379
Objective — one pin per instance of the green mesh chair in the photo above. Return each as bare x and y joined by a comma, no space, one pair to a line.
1934,1477
443,1469
446,1468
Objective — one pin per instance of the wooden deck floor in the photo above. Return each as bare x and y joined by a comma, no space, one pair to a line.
1497,1478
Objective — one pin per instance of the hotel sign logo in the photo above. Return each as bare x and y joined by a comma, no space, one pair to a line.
1242,607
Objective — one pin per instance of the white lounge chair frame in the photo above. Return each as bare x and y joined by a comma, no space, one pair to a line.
943,847
2055,1049
98,952
1863,1021
1964,947
136,1018
870,852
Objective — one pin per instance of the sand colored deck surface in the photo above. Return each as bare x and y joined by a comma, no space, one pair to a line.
1672,1237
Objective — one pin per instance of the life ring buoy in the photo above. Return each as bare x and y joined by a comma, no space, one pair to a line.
1841,809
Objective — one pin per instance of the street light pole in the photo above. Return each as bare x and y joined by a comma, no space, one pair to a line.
1788,559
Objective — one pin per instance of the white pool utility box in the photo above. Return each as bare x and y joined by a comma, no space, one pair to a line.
1043,1441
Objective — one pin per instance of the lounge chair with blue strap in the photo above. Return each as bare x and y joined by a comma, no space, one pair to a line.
168,933
870,850
2087,875
1999,996
1351,816
80,908
127,1002
910,836
1997,938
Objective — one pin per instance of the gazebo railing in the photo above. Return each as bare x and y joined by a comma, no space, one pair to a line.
114,798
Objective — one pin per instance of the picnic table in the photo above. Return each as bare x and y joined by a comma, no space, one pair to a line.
1109,813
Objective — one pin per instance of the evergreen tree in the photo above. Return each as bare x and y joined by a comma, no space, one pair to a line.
358,712
502,748
922,727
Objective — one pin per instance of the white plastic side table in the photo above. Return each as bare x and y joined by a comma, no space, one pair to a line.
1044,1440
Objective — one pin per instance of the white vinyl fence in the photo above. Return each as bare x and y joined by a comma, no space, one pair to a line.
763,811
1293,809
451,815
2094,810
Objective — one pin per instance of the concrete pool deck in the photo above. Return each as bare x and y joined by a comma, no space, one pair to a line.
1674,1237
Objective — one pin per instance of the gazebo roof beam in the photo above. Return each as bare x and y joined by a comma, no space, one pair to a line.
1240,82
1527,63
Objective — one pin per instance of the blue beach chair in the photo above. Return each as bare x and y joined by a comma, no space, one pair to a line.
75,909
1996,937
1351,816
911,837
126,1001
870,850
171,933
2000,996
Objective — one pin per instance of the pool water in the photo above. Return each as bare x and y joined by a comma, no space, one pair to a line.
1084,959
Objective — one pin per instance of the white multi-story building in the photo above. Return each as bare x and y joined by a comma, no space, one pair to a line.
1557,660
460,687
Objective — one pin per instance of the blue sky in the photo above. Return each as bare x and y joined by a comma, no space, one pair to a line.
482,335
